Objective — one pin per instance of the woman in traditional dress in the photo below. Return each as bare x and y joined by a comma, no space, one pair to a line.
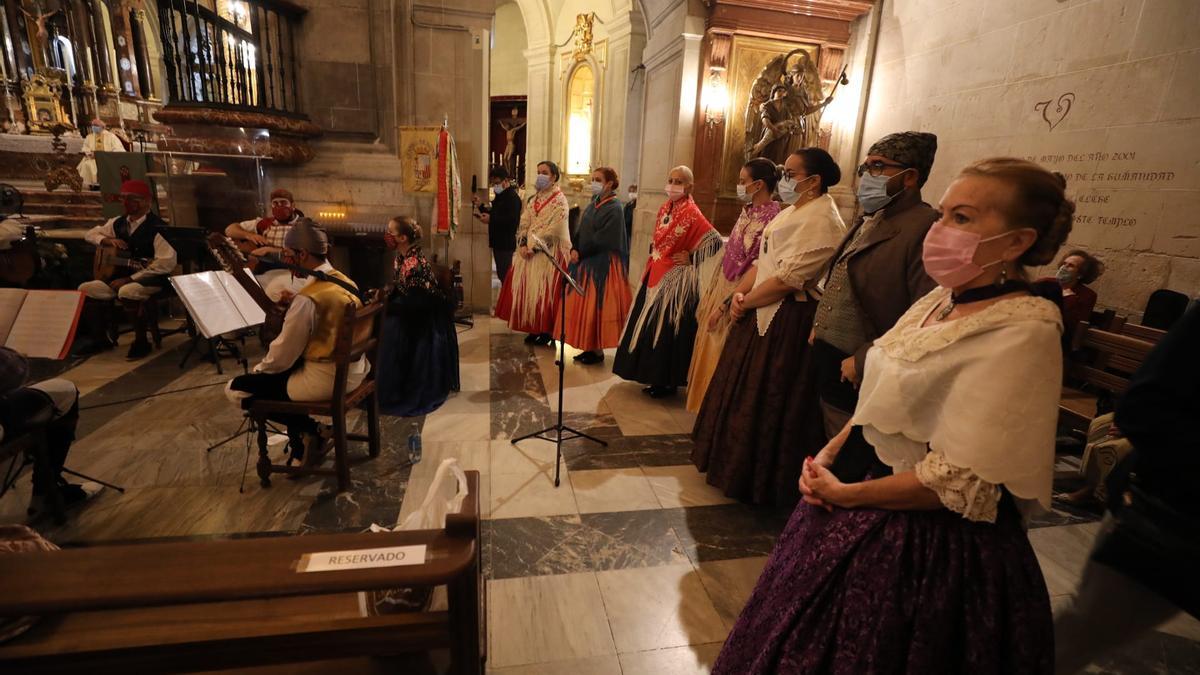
756,186
600,263
929,570
418,355
656,348
530,295
760,419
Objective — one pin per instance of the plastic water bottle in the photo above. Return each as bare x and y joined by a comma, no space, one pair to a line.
414,444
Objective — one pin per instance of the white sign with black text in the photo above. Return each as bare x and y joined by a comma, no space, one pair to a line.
363,558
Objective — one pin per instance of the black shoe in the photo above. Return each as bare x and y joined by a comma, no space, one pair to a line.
138,350
581,356
543,339
531,339
591,358
661,392
88,347
648,390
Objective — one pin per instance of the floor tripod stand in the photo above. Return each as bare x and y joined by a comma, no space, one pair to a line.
560,428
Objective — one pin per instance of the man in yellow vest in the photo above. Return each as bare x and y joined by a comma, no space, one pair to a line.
299,363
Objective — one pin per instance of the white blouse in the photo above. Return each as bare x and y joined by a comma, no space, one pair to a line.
969,404
796,247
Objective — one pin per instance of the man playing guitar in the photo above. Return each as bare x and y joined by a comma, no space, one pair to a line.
263,238
298,365
137,239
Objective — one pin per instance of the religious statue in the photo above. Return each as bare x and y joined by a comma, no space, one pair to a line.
40,19
784,111
511,126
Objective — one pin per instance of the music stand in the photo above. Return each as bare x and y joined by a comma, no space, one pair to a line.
559,428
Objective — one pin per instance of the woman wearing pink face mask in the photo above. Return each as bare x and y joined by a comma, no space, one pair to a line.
929,570
418,354
656,347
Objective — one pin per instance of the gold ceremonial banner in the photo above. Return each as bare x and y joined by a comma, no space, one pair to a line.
418,151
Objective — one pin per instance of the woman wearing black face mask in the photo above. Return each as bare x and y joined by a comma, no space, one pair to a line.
418,354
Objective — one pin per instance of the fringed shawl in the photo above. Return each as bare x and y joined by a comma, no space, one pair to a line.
680,227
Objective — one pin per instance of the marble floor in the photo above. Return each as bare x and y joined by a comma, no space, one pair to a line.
633,564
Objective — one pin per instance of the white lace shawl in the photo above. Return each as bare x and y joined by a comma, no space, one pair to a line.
982,391
796,247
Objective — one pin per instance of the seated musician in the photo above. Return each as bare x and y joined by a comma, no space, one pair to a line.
299,363
52,404
417,364
138,234
263,238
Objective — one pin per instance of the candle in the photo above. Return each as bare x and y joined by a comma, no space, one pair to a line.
90,69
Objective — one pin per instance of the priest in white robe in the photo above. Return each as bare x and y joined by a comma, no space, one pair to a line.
99,139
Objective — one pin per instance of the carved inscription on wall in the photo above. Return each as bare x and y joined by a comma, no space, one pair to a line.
1105,185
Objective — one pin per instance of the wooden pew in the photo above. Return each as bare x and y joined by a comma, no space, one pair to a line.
1101,361
213,605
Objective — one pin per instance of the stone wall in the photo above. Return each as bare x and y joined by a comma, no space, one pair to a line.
1104,91
510,70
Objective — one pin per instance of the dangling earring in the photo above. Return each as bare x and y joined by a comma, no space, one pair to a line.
1003,278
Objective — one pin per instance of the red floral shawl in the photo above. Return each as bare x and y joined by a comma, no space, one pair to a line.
687,226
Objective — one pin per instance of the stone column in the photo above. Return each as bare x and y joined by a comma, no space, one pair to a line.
668,131
622,119
541,109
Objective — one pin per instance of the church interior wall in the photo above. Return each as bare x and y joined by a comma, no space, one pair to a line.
510,69
1103,91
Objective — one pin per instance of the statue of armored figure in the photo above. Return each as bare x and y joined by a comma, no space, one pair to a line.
784,111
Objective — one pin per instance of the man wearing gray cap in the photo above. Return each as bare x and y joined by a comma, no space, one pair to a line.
299,363
876,275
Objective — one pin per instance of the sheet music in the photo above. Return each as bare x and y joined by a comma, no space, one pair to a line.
10,306
209,303
45,326
251,313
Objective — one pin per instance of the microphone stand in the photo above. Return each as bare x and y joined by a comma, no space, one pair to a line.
559,428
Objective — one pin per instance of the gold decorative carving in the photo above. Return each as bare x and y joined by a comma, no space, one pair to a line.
583,35
43,101
62,173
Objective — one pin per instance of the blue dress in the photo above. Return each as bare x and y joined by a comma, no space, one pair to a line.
418,353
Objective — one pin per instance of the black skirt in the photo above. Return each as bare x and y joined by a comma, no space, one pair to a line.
663,361
761,416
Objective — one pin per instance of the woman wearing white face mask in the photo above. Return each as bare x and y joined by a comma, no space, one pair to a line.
656,347
600,263
929,570
755,188
530,295
760,416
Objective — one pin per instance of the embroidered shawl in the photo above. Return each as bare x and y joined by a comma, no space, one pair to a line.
680,227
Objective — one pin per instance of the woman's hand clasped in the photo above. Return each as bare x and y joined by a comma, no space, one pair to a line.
575,257
820,487
682,258
714,318
737,306
525,252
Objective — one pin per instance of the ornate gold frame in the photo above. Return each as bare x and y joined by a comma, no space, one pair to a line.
43,103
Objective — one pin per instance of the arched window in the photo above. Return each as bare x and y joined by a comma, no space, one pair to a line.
581,115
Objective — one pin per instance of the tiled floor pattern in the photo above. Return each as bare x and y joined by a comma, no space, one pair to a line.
633,564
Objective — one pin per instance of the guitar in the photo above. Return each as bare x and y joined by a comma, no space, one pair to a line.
226,253
114,263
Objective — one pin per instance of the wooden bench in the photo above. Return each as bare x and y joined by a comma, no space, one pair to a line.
214,605
1101,361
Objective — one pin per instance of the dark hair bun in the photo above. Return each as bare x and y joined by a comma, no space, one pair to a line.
761,168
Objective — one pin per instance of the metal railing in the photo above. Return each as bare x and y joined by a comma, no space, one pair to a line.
248,63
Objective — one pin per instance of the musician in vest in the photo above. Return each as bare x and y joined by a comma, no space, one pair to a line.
139,233
267,234
299,363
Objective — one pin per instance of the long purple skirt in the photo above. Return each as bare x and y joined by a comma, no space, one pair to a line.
861,591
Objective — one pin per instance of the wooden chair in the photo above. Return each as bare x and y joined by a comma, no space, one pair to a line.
1101,361
357,336
1146,333
240,603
